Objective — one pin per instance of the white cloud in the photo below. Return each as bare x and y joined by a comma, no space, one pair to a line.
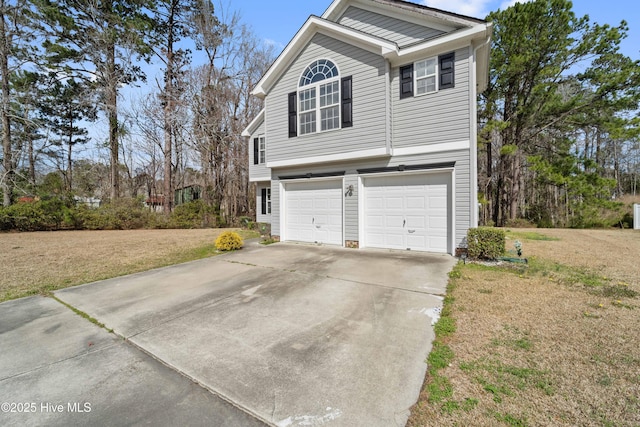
276,45
474,8
508,3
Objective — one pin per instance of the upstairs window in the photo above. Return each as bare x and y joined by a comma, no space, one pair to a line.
262,150
426,72
427,76
322,102
259,150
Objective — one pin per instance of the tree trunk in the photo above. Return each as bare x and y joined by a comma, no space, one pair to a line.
169,110
7,178
69,167
112,114
168,145
515,187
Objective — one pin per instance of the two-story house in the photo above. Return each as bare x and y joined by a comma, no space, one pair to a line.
368,133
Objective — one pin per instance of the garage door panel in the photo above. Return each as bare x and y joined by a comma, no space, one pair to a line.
415,221
416,202
392,202
393,241
313,212
413,210
435,242
335,220
438,224
393,221
416,241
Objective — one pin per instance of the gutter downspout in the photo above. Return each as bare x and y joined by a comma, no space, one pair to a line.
474,214
387,106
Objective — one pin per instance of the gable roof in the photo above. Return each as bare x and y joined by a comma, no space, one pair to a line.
337,8
462,31
255,124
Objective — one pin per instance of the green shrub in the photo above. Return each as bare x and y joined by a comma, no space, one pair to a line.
246,222
125,214
195,214
229,241
485,243
520,223
34,216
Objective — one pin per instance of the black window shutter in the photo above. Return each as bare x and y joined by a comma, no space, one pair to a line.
406,81
347,102
256,152
293,114
263,200
446,63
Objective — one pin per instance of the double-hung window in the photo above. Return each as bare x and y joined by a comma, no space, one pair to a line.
262,150
308,107
265,198
319,97
427,76
322,102
259,150
330,105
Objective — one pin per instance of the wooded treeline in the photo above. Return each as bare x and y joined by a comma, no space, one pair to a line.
558,126
65,67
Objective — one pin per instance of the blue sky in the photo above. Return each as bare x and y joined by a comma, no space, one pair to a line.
277,21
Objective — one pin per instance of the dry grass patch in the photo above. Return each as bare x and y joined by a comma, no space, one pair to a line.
554,344
39,262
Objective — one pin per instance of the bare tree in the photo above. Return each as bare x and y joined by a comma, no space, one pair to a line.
222,108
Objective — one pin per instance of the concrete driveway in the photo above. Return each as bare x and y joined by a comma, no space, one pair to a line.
290,334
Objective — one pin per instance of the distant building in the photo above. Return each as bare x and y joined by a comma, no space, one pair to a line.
187,194
155,203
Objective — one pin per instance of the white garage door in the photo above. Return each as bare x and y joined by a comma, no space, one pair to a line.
313,212
407,212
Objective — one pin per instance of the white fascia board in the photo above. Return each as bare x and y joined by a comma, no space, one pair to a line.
309,29
451,41
432,148
363,154
482,50
430,17
260,178
254,124
333,7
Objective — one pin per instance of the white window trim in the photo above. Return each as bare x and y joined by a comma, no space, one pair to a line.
262,150
318,109
436,75
268,202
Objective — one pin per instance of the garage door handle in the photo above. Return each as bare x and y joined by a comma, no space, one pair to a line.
313,221
404,221
412,231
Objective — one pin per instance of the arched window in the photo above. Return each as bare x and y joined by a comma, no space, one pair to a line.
319,97
322,69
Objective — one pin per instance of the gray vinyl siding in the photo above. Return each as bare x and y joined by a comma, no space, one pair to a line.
368,73
260,170
259,216
275,207
351,208
439,117
402,33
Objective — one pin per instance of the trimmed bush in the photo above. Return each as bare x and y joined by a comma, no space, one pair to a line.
195,214
229,241
485,243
